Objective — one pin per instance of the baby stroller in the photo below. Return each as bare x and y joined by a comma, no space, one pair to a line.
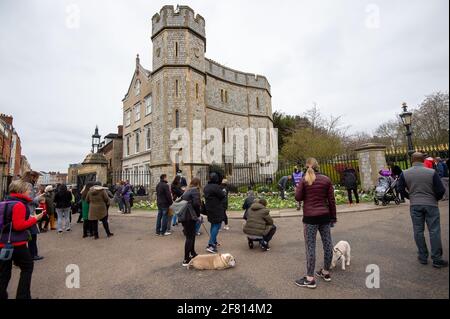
384,191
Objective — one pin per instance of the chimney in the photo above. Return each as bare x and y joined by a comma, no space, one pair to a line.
120,130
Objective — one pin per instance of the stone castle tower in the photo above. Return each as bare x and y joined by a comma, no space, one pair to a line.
182,87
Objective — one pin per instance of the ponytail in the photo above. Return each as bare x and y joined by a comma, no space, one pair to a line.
310,175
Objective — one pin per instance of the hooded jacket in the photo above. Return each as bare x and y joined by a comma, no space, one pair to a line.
98,200
63,199
259,222
214,197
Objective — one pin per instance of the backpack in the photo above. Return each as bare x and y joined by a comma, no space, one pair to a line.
179,208
5,210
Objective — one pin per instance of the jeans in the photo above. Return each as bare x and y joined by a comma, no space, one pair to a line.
198,224
174,219
349,193
189,245
22,258
269,236
32,246
161,221
282,192
121,203
214,232
310,233
421,214
63,214
444,181
127,206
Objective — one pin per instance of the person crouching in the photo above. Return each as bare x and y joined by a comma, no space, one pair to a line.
260,223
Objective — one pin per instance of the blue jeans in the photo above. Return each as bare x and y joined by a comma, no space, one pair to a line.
421,214
197,226
161,220
120,203
214,232
174,219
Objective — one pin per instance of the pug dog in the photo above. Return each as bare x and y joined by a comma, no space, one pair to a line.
341,252
212,262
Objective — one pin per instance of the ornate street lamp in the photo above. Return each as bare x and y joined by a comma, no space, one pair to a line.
406,117
95,141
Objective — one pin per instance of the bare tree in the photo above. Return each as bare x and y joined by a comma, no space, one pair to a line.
430,121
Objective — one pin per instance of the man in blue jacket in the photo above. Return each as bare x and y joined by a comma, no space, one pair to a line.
423,187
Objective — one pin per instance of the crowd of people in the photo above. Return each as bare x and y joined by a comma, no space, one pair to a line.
30,210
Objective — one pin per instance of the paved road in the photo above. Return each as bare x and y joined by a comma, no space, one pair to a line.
137,264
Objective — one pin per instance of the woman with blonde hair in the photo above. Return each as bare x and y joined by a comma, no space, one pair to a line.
319,212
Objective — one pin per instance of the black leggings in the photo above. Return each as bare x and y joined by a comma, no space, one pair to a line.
189,245
94,226
225,220
22,258
349,192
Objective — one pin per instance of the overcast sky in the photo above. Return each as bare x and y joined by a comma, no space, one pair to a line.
60,75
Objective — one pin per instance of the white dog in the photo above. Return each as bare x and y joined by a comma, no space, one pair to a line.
341,252
212,262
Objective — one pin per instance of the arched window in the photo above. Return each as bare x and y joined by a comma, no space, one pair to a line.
137,87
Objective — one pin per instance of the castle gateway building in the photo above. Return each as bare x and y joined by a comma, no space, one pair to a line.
185,88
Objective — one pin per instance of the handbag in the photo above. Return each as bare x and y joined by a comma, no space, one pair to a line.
7,251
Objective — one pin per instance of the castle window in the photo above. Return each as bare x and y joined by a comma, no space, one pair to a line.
196,91
127,145
177,119
137,135
176,88
128,118
257,102
148,104
176,49
137,87
224,96
137,112
148,137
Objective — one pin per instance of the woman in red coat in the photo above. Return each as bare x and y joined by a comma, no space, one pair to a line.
18,221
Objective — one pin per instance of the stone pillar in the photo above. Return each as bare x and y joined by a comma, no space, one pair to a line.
372,158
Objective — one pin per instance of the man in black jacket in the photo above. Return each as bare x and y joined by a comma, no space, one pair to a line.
215,211
163,200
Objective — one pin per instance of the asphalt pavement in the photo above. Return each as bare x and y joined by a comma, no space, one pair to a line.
135,263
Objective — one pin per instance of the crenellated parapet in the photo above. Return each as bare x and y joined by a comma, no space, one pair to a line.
222,72
181,17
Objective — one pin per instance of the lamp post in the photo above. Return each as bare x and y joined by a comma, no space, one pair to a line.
406,117
95,141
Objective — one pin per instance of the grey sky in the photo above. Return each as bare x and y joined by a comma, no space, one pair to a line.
59,82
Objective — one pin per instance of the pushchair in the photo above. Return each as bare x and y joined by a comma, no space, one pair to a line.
384,191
